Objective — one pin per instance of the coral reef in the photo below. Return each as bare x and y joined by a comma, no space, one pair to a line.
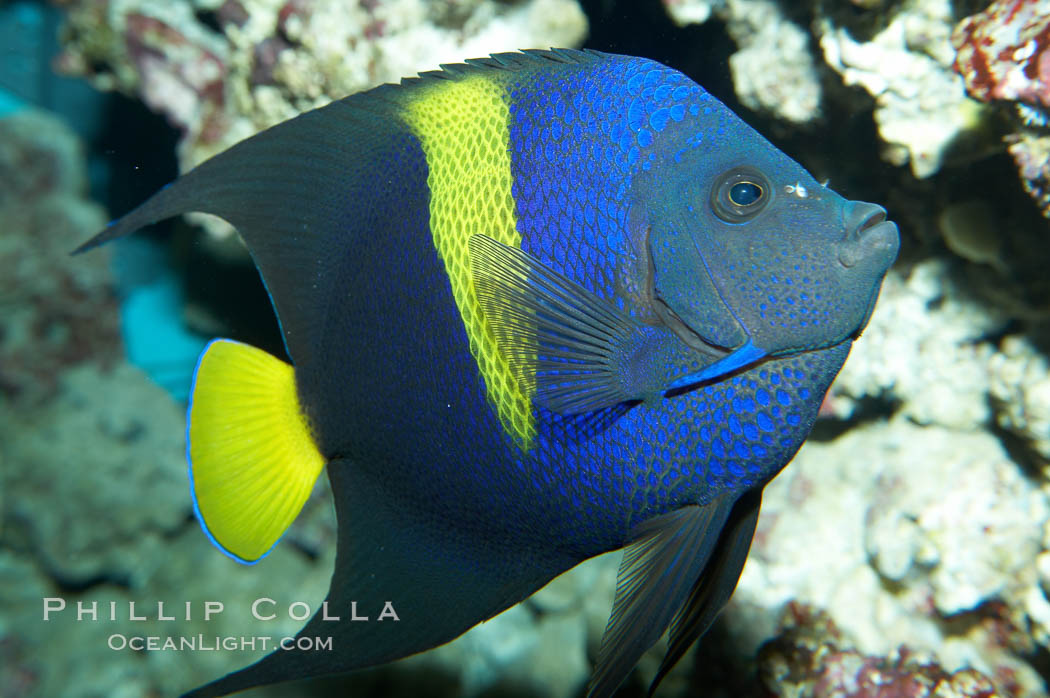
124,539
924,351
1020,394
897,557
906,66
56,311
84,438
921,108
220,70
773,70
811,657
917,528
1003,53
1031,153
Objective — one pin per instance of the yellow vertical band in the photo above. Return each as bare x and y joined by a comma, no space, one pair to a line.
464,128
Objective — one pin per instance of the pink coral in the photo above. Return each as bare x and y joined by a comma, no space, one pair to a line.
292,8
849,673
1031,153
179,77
811,658
1004,52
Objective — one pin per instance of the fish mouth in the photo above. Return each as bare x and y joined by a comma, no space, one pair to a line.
871,244
869,236
858,216
878,239
872,220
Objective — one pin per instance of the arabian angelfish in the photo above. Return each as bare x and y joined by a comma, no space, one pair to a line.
539,306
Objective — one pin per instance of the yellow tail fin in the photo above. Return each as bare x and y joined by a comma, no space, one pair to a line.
252,458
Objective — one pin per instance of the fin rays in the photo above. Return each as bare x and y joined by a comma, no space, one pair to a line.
668,554
253,462
573,346
712,590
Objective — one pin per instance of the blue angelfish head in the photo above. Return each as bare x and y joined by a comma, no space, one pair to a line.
745,246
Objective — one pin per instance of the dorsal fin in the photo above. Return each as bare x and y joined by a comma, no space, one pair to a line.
297,191
281,189
526,59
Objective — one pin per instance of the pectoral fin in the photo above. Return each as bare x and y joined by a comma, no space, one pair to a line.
658,571
578,351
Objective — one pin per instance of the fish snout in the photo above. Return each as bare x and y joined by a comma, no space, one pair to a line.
869,236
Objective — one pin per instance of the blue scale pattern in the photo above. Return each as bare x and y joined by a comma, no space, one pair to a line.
791,300
646,460
573,155
578,135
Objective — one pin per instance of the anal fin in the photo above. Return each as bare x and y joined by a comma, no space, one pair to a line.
393,558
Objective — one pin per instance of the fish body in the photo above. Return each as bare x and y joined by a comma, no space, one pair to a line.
539,307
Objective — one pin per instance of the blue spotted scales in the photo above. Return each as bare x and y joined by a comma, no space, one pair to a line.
539,306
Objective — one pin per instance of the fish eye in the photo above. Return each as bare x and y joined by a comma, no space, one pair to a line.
745,193
740,194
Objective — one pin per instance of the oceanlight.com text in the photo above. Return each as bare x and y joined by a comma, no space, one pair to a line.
214,643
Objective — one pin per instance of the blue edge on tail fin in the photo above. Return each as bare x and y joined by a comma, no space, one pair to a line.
189,470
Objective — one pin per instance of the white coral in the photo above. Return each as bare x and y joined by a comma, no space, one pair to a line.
920,102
